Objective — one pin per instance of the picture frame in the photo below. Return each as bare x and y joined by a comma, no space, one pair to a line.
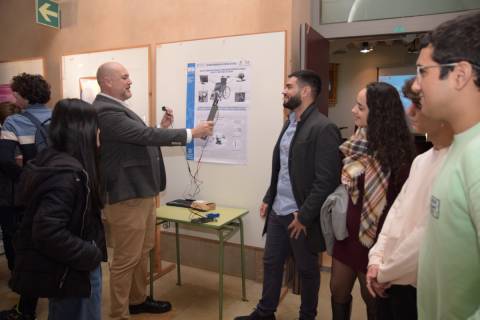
332,86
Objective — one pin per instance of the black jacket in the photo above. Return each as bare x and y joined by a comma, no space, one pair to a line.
131,160
61,237
314,164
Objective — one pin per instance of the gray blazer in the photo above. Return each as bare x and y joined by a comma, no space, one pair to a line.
131,161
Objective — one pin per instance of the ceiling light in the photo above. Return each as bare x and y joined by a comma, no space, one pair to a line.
365,48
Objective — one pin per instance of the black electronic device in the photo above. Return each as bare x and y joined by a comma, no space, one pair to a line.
212,113
214,108
184,203
202,220
164,109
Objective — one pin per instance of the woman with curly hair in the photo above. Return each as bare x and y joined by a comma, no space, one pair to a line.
376,162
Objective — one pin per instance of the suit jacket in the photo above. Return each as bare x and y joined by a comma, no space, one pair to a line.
130,158
314,164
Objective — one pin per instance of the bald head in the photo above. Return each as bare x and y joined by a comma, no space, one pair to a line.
114,80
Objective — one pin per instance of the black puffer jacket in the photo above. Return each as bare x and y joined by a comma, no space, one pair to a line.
61,237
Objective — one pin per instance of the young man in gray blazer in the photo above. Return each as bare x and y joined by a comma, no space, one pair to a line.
133,174
305,170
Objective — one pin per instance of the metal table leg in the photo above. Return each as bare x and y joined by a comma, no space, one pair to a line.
177,240
242,258
220,275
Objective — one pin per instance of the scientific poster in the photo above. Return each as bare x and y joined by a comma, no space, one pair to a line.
229,82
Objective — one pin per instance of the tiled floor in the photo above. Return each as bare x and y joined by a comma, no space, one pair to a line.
196,299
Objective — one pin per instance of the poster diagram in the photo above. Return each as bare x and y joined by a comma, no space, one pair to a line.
229,84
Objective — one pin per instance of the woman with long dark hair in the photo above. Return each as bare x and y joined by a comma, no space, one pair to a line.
376,162
60,242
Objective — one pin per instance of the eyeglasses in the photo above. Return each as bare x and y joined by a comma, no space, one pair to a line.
421,69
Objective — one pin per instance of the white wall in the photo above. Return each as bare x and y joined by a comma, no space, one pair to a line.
355,71
241,186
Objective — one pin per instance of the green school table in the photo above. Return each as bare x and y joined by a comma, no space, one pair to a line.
229,222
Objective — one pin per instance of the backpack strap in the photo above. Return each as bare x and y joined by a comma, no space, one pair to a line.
37,124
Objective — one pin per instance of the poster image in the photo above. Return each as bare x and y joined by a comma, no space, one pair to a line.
89,88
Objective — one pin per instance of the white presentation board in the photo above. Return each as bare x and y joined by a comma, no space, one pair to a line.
9,69
227,185
80,67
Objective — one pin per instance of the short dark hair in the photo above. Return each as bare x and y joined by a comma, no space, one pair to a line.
73,130
409,93
309,78
456,40
32,87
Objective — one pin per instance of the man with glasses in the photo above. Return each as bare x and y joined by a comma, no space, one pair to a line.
448,81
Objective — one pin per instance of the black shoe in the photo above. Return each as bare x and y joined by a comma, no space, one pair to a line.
150,306
14,314
255,315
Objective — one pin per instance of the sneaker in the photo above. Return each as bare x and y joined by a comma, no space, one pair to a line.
14,314
255,315
149,306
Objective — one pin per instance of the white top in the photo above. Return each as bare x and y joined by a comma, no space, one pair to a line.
397,247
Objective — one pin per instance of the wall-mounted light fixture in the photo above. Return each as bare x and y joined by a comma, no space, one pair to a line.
414,46
365,47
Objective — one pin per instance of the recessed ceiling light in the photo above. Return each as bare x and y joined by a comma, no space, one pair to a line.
365,48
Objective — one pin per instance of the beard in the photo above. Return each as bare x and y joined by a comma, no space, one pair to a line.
293,102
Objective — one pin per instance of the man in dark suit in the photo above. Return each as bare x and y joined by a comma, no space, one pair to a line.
133,174
305,170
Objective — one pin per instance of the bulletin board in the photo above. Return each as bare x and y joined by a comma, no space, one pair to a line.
79,75
9,69
227,185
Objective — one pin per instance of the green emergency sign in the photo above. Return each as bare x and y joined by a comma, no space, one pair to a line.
48,13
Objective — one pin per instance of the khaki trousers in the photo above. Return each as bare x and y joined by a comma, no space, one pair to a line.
131,226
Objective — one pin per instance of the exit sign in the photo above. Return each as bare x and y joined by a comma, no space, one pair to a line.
48,13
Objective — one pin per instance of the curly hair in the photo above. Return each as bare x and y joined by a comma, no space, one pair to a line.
389,138
32,87
409,93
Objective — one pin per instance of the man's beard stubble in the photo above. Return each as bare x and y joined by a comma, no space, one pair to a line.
293,102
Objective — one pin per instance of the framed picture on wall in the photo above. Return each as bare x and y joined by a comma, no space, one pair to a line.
89,88
332,85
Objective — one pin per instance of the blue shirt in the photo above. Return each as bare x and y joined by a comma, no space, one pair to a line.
284,202
20,129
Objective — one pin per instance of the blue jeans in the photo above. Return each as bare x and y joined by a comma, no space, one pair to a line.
277,248
79,308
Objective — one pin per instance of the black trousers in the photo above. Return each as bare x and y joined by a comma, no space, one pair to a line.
401,304
8,223
277,248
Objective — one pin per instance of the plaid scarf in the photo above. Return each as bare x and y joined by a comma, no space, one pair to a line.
357,161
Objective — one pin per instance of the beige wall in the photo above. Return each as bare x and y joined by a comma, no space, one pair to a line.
90,25
355,71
